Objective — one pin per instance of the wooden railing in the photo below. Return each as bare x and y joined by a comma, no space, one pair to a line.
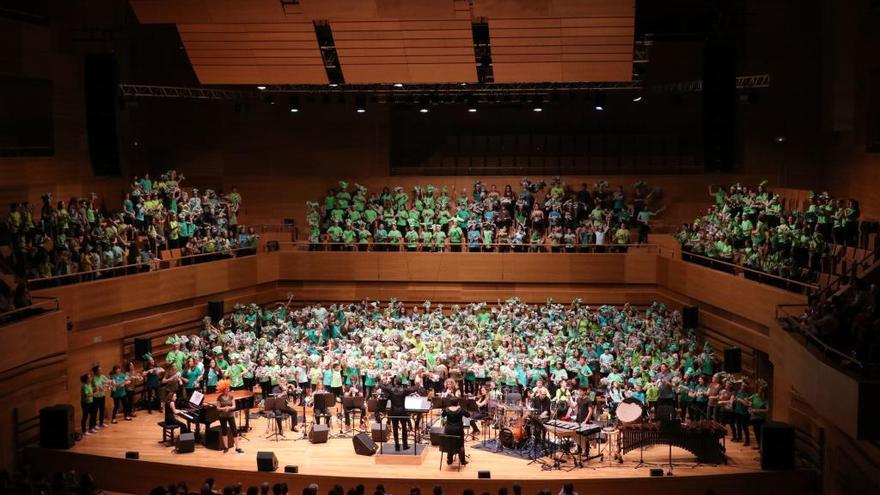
39,304
134,268
740,270
463,247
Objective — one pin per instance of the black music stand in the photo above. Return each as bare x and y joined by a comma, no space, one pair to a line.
272,405
670,427
537,448
323,401
351,404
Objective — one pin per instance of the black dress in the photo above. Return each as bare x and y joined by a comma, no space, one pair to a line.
455,427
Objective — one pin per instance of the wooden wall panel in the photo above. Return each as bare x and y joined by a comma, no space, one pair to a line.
634,268
466,292
32,339
92,301
747,299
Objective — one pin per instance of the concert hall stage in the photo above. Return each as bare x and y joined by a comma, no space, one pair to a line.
103,455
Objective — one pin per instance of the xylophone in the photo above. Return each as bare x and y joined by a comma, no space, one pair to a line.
704,439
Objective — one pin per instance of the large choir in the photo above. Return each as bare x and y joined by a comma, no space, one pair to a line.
512,365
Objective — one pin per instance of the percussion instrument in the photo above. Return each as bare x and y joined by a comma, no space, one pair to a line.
511,437
629,411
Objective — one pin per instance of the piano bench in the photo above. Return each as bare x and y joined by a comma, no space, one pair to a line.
168,432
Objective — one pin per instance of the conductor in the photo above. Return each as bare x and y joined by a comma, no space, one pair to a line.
396,394
454,416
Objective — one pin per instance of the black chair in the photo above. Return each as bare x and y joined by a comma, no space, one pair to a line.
168,432
451,444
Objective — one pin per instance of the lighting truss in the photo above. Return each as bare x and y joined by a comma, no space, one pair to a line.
389,93
203,93
742,82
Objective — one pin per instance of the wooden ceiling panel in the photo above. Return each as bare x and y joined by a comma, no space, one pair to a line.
553,8
255,74
261,41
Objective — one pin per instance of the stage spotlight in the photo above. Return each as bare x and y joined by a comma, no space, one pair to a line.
333,85
361,103
423,110
261,88
293,104
398,85
472,104
424,103
600,102
538,104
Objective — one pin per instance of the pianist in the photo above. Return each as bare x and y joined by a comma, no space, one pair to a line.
171,412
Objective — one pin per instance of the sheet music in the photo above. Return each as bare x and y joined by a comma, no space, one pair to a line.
196,398
416,403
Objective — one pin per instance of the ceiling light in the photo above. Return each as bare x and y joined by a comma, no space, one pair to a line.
261,88
398,85
423,110
472,110
537,109
637,98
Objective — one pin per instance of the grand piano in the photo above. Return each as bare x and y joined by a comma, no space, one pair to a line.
195,412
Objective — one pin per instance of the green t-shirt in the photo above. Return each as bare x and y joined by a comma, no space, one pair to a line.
86,392
99,382
455,234
236,372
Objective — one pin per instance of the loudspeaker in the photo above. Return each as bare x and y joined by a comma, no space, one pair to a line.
214,438
484,475
379,433
319,433
215,311
291,469
363,444
186,443
56,427
101,87
142,345
266,461
690,317
733,360
777,446
132,455
436,432
656,472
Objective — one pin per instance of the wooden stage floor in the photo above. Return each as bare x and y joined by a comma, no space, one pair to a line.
337,458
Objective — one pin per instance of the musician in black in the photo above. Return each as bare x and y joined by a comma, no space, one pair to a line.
226,414
396,394
454,416
320,409
171,412
282,392
541,403
584,406
354,390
